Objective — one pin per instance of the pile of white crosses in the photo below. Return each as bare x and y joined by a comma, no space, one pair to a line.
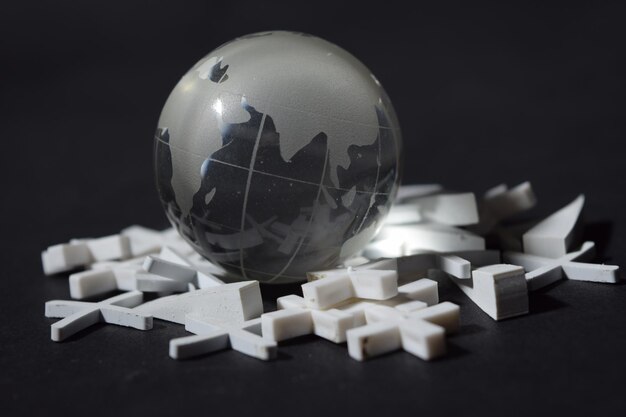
382,300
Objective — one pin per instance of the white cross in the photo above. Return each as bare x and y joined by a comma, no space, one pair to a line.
212,336
295,318
168,272
131,242
542,271
78,315
420,332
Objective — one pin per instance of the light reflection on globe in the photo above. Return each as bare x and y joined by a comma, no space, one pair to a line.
277,154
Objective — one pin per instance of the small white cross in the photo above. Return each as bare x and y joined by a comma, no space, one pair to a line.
213,336
295,318
170,271
420,332
78,315
542,271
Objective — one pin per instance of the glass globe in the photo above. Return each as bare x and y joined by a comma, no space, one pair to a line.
277,154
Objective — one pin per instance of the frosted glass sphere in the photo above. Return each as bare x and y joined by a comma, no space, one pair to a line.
277,154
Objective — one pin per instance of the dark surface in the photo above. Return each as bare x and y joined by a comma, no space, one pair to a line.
485,95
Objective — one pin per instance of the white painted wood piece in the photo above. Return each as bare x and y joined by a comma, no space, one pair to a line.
65,257
476,258
455,266
355,261
413,191
109,248
445,314
499,290
411,267
421,332
92,282
324,293
286,324
170,272
332,323
204,271
167,269
290,301
205,266
148,282
229,304
78,315
424,289
395,241
328,288
172,255
373,284
501,203
131,242
451,209
210,336
542,271
143,241
295,319
553,236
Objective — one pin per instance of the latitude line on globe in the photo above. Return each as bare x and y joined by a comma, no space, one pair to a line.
306,231
322,115
245,196
375,186
256,171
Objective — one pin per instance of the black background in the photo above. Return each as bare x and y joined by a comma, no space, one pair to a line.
485,95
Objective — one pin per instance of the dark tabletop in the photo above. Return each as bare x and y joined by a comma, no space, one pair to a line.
485,95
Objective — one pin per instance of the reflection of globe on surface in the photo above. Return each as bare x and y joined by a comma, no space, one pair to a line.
277,154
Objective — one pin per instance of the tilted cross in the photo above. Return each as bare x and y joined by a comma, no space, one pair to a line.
78,315
542,271
213,336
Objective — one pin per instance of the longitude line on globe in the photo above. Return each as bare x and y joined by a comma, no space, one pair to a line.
372,198
306,231
245,196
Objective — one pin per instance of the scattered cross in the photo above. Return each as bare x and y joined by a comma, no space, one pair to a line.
295,318
210,336
78,315
542,271
170,271
420,332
